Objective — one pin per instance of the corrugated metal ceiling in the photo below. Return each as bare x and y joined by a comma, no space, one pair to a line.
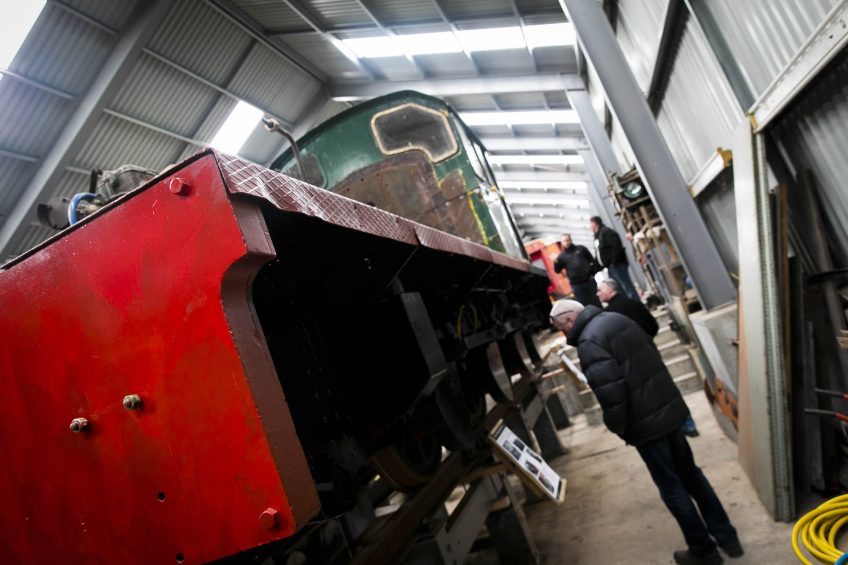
199,61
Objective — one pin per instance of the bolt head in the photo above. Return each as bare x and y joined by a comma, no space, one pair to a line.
269,518
132,402
178,186
78,425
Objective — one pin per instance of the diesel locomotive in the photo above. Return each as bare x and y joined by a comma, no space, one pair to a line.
225,354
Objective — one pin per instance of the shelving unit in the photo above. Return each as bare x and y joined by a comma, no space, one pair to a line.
651,243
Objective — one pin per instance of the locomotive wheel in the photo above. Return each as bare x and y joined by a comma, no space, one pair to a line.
409,463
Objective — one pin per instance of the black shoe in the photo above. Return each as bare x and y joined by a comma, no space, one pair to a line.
691,433
686,557
733,549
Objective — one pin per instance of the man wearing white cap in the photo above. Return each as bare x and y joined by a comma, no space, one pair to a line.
642,405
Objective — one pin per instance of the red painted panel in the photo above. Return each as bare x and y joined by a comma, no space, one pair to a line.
132,301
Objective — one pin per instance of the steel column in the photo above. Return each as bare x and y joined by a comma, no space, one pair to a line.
599,161
656,165
143,23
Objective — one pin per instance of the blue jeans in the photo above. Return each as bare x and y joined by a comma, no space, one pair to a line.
619,274
586,293
679,481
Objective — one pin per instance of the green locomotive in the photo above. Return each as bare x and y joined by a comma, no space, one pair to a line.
412,155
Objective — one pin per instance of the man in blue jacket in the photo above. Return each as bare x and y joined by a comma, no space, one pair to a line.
642,405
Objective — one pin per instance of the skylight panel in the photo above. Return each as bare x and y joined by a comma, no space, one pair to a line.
520,117
16,23
237,128
542,185
549,35
535,159
471,40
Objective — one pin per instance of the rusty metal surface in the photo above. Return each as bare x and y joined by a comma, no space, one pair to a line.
402,184
291,195
146,298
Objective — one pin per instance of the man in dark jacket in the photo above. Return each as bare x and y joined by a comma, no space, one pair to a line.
611,254
642,405
580,269
636,311
633,309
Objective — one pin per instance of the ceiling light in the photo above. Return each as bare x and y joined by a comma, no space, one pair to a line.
16,23
521,199
535,159
520,117
237,128
549,35
490,39
400,45
543,185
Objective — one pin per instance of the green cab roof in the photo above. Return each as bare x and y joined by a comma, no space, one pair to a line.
373,106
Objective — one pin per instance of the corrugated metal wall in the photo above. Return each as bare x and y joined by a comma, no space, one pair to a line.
717,205
638,29
596,91
764,34
814,135
621,147
699,109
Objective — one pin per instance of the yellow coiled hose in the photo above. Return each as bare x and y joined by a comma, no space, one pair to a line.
818,530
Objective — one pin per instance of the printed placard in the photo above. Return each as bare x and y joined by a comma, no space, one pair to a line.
527,464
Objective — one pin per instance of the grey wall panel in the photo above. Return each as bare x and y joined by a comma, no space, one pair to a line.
621,147
163,96
699,110
14,175
211,46
638,30
30,119
764,34
115,142
596,91
271,14
63,51
272,83
718,208
814,135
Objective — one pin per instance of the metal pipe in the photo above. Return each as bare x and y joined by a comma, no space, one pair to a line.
273,125
833,393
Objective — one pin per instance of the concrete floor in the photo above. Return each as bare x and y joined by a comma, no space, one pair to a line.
613,513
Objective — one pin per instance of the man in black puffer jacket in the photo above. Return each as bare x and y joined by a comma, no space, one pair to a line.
642,405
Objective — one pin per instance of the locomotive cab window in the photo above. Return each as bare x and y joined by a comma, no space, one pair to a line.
411,126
